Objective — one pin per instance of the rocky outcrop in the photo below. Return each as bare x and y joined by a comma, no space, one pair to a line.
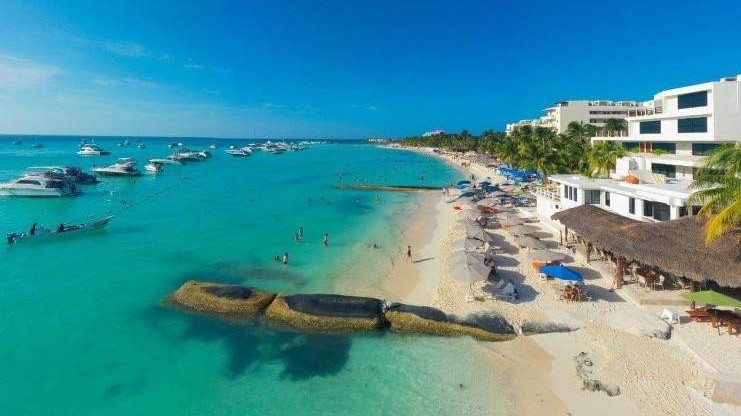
431,321
584,371
216,298
321,312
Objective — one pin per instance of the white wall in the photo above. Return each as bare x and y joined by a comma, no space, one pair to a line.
727,105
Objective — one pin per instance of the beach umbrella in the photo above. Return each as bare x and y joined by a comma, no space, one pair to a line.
521,229
484,183
463,183
562,273
488,201
530,243
545,256
470,273
474,232
711,297
462,256
512,222
467,244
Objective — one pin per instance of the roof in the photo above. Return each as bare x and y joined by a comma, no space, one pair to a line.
675,246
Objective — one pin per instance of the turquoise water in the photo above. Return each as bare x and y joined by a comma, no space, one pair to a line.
83,330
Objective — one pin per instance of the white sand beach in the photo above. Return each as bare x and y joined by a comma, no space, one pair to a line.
654,376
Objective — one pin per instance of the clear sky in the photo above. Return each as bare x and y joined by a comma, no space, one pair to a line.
341,68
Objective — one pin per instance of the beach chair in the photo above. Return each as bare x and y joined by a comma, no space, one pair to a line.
670,314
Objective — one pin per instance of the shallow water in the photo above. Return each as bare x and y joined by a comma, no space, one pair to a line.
83,330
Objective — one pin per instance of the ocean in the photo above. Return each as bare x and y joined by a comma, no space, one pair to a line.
84,329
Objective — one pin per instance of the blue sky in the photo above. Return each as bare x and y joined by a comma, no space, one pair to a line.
341,69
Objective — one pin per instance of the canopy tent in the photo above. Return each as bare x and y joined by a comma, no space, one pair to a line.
562,273
545,255
711,297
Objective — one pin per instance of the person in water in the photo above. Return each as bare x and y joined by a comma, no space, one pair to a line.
32,231
285,258
60,228
326,239
301,232
296,238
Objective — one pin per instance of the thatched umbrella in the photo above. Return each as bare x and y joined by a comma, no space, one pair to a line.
512,222
546,256
521,229
467,244
470,272
488,201
530,243
462,256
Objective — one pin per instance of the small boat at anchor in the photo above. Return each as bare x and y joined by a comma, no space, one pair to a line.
154,167
38,233
125,166
244,151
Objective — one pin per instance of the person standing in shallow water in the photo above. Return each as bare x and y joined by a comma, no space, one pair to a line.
285,258
326,239
409,254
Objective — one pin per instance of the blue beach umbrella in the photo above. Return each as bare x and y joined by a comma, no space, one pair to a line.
562,272
484,183
463,183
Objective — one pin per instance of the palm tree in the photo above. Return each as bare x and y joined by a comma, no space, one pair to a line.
615,125
718,189
603,157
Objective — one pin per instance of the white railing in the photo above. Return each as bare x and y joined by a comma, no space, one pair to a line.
550,194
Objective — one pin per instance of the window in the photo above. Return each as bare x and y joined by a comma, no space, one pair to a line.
570,192
592,196
656,210
701,149
650,127
695,210
670,171
29,182
632,205
607,199
692,125
695,99
682,211
632,147
664,148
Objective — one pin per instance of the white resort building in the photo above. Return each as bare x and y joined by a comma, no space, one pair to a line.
667,139
595,112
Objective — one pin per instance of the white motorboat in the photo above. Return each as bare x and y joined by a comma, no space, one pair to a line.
166,161
72,173
213,146
39,185
186,155
92,150
124,167
244,151
39,232
154,167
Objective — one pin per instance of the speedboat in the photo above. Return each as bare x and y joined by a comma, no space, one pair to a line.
39,233
205,153
39,185
244,151
213,146
175,144
154,167
92,150
186,155
166,161
72,173
125,166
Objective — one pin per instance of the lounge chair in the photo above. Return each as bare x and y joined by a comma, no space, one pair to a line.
502,290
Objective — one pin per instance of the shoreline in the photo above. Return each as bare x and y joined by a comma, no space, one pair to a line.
539,372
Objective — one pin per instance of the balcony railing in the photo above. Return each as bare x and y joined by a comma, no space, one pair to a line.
603,134
645,111
550,194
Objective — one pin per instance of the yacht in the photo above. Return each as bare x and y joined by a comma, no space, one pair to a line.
71,173
186,155
37,185
166,161
154,167
213,146
92,150
244,151
142,146
125,166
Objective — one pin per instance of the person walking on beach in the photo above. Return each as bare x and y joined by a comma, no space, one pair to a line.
285,258
326,239
409,254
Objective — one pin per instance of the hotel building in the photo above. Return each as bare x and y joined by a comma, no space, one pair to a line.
667,139
562,113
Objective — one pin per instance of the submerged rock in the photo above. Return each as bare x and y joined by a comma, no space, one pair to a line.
233,300
321,312
431,321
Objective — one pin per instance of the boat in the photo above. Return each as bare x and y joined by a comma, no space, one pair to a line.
142,146
186,155
92,150
72,173
39,233
244,151
175,144
37,145
154,167
125,166
213,146
166,161
39,185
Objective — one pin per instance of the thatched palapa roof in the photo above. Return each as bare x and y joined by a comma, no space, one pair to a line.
675,246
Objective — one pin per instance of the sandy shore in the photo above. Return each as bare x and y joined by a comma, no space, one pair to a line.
655,377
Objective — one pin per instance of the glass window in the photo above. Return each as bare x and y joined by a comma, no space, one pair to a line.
695,99
592,196
701,149
632,147
670,171
692,125
650,127
648,209
607,198
695,210
682,211
664,148
661,211
29,182
632,205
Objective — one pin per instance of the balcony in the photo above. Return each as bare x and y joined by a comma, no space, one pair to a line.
607,134
551,194
645,111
